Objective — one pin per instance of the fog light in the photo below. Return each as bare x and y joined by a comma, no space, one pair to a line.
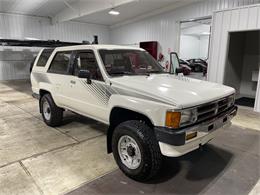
191,135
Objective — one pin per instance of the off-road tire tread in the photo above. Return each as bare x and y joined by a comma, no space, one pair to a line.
151,149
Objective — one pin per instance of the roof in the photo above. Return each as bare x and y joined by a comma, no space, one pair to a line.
97,47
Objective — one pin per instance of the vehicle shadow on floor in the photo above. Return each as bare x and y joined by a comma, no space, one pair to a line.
70,118
189,174
200,165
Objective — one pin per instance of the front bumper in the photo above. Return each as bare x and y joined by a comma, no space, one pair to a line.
173,141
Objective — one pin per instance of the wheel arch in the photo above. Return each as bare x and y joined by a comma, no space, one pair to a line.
118,115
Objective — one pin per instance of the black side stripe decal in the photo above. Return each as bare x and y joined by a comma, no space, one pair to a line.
98,90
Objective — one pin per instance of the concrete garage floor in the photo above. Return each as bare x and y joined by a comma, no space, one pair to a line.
36,159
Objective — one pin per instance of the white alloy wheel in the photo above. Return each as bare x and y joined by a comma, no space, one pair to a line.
129,152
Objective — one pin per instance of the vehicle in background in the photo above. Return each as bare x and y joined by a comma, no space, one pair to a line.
185,66
198,65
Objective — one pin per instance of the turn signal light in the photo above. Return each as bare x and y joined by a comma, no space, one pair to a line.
173,119
191,135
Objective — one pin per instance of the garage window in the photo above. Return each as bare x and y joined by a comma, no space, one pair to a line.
46,53
60,63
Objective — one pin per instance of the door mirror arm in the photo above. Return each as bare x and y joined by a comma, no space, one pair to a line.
85,74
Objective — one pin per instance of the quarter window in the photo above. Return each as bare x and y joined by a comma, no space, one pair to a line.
87,61
60,63
46,53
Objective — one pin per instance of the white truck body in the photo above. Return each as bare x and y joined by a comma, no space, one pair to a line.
150,95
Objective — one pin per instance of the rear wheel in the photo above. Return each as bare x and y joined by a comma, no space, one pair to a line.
51,113
136,150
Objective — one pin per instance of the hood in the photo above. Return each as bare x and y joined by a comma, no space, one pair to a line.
179,91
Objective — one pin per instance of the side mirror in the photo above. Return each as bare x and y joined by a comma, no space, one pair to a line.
174,63
85,74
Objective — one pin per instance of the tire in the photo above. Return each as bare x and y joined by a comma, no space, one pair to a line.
198,69
52,115
150,155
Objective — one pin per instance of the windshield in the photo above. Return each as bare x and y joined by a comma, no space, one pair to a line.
129,62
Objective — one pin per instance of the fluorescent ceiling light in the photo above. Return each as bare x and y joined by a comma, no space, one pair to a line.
31,38
206,33
114,12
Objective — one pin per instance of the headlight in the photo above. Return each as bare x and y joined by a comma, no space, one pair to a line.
179,119
231,100
188,117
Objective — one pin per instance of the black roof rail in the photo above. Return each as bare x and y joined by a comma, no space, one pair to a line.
36,43
43,43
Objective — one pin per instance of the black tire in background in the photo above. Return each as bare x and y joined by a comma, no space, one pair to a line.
151,157
56,113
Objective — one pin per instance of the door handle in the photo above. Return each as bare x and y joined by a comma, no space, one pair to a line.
73,82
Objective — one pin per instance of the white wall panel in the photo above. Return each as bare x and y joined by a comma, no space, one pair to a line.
226,21
257,103
20,27
190,47
235,14
216,39
253,14
258,21
243,19
240,19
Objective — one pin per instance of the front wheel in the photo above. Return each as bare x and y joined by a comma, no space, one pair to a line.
136,150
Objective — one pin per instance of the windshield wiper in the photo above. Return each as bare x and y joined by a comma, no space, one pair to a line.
121,73
156,71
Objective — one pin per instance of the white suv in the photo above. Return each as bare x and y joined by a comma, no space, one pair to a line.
150,113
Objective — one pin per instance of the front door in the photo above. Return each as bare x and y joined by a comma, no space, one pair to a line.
88,99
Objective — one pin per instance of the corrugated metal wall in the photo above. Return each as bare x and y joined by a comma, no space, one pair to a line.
240,19
14,61
164,27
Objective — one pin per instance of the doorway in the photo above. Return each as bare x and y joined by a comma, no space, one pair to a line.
194,46
242,66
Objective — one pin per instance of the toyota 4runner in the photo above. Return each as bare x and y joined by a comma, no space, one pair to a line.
150,113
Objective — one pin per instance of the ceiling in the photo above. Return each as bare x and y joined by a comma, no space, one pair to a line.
46,8
91,11
127,11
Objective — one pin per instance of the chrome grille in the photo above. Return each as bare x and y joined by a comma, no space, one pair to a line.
214,108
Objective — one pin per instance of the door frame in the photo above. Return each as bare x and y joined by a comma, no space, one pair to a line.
257,96
178,31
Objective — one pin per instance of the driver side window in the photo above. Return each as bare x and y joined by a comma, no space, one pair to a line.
86,60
